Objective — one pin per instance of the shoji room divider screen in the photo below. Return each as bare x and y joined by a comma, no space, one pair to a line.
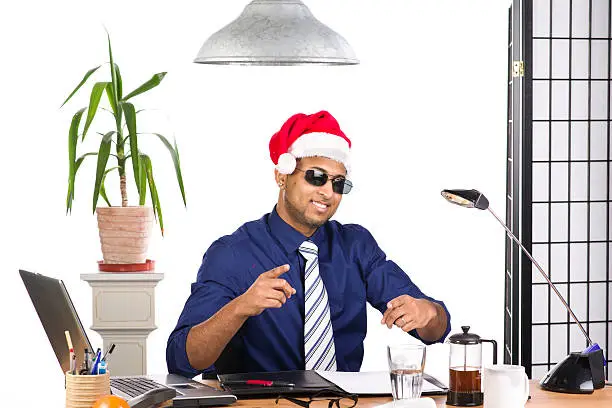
559,179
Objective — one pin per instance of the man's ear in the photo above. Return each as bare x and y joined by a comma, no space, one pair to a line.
281,179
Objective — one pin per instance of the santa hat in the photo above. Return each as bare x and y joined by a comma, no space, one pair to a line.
306,136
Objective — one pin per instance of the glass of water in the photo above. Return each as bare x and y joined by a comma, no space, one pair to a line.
406,365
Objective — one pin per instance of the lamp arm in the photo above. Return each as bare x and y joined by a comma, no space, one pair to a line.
544,275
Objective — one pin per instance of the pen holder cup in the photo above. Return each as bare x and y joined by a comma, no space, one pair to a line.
83,390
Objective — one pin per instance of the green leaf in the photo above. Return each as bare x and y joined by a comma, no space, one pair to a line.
111,98
73,137
94,101
111,169
103,153
157,211
143,182
113,70
80,160
119,83
150,84
78,163
177,163
103,194
102,189
130,120
87,75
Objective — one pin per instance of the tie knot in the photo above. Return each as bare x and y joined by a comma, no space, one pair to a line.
308,249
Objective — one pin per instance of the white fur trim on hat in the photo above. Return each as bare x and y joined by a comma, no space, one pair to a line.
286,163
321,144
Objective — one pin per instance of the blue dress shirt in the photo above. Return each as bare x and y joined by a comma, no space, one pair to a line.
352,266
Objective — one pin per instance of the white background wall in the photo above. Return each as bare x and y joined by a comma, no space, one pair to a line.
425,111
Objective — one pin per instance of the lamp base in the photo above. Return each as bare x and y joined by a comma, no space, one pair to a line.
578,373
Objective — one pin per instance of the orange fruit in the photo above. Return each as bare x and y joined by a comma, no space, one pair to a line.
110,401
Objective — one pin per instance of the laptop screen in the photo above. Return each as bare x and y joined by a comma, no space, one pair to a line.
57,314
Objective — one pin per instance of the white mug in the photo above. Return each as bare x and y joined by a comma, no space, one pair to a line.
505,386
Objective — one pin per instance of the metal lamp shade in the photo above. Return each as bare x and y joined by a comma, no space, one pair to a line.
276,32
467,198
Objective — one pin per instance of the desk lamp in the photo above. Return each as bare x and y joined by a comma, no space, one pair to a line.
580,372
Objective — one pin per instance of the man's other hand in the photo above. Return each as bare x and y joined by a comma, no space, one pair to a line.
409,313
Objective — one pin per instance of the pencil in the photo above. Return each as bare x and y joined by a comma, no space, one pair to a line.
68,339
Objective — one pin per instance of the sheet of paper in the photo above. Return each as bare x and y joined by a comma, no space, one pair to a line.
368,382
415,403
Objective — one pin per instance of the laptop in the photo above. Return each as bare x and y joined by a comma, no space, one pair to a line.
57,314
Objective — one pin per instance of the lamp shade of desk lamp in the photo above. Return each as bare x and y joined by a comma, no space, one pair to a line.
276,32
580,372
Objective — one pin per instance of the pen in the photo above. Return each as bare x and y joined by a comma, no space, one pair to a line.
94,366
72,356
87,360
73,364
109,351
94,356
263,383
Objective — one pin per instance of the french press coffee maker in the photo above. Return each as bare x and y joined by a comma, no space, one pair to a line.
465,368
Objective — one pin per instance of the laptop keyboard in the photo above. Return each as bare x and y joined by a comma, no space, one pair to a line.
134,386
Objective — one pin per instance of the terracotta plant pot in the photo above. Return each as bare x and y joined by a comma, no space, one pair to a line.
124,233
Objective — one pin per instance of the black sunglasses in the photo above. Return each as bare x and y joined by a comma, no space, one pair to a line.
340,184
334,398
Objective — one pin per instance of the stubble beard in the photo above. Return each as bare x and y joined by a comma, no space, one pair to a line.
301,216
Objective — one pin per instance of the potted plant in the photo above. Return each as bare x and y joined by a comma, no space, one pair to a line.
124,230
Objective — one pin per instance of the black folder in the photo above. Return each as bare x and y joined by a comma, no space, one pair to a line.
307,383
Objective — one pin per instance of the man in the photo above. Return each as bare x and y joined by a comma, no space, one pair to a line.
289,291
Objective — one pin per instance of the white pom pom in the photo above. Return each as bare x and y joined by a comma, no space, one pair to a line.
286,163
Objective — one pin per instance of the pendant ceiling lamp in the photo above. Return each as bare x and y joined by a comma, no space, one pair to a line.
276,32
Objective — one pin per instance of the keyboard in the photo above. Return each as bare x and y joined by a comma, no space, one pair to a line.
134,386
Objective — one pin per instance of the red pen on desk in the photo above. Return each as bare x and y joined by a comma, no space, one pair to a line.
262,383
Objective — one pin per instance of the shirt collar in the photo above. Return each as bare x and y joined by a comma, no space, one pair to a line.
289,238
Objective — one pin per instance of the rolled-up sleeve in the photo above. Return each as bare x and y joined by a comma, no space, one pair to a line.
216,285
385,280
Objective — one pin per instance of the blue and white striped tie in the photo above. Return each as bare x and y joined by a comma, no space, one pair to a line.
319,348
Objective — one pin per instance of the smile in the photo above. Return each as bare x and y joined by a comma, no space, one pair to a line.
319,205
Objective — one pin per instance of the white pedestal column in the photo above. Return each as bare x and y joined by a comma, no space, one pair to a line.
124,314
